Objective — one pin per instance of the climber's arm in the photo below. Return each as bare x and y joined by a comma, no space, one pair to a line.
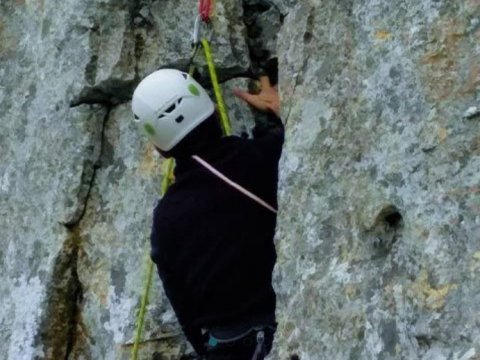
176,292
181,303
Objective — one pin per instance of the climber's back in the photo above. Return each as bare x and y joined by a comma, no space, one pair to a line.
212,243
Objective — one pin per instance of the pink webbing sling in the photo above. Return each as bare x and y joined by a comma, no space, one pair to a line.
233,184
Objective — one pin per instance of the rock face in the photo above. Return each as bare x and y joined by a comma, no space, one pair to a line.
378,236
77,180
379,225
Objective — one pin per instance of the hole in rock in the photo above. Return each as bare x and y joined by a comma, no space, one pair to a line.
390,216
307,37
271,68
387,229
294,357
263,21
394,219
424,341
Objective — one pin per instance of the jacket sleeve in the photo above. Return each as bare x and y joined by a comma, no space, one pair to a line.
181,303
177,294
268,140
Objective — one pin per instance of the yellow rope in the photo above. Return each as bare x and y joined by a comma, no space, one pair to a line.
225,121
143,309
168,180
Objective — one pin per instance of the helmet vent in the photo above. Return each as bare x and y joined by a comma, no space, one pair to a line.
179,119
179,101
170,108
185,75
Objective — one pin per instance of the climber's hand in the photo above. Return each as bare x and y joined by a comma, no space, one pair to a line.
266,100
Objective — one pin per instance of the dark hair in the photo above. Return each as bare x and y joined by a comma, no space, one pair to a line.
199,138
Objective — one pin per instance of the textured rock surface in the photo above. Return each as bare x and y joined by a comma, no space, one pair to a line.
241,117
77,183
378,238
263,21
164,36
379,228
113,237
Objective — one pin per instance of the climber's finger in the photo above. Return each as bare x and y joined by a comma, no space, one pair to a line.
251,99
265,82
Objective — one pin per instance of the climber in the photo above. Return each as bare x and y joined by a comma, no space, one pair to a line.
213,245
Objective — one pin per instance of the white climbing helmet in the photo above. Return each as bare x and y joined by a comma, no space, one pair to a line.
168,104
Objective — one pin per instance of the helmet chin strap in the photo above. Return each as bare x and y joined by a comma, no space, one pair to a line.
165,154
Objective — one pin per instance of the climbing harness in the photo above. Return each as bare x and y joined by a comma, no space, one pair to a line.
260,348
234,184
205,10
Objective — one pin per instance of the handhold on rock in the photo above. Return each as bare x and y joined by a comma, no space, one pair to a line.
472,112
387,229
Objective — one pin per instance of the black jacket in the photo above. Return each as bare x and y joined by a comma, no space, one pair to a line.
212,245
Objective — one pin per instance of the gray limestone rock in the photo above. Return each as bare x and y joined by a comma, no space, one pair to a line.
378,251
114,239
164,37
263,22
241,116
284,6
49,151
45,180
77,183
